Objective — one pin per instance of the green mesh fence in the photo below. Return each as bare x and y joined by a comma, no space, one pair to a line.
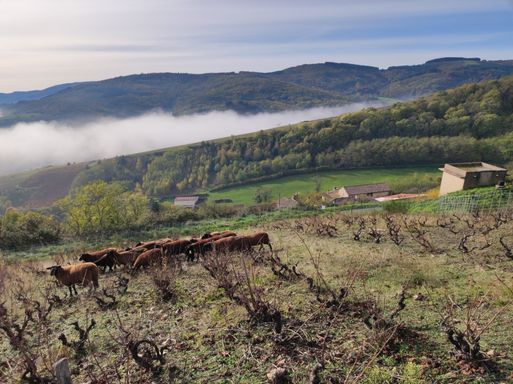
469,201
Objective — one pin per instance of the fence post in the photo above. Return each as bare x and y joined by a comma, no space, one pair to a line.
62,372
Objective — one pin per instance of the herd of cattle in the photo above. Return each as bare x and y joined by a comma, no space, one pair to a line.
153,252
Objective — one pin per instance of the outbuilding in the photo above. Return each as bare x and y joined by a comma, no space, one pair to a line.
186,201
461,176
356,192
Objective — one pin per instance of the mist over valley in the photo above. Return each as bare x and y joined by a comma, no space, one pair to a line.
25,146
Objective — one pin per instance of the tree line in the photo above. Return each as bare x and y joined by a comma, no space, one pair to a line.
97,210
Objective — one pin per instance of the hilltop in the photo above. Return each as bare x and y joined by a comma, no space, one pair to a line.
14,97
304,86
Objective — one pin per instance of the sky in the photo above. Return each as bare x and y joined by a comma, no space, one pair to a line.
48,42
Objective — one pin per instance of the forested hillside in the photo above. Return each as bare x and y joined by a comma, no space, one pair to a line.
177,93
472,122
304,86
406,81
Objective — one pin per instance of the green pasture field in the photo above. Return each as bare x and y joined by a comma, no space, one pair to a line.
306,183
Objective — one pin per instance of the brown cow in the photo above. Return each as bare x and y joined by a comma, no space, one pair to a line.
205,245
96,255
232,244
148,258
127,258
260,238
176,247
198,247
151,244
106,261
209,235
69,275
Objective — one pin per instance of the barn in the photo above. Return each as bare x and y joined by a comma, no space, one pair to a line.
461,176
356,193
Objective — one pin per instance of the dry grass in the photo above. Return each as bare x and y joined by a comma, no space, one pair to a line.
360,336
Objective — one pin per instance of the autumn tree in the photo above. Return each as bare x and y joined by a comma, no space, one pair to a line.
100,207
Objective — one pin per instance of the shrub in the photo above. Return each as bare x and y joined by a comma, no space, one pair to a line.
411,374
22,229
398,206
169,214
415,184
378,375
215,211
261,208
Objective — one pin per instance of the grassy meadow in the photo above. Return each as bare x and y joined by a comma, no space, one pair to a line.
323,306
327,180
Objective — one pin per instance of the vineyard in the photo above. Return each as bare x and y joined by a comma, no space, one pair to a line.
341,298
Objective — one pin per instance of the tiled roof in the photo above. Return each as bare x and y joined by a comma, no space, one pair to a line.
186,201
367,188
186,198
399,196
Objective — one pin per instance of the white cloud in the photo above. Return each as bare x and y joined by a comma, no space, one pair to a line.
27,146
44,42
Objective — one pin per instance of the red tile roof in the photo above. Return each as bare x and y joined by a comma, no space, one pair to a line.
399,196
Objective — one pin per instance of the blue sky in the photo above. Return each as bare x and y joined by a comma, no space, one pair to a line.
46,42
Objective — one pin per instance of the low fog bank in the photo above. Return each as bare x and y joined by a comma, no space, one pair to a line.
33,145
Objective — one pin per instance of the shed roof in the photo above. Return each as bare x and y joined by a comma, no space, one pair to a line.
186,201
461,169
366,188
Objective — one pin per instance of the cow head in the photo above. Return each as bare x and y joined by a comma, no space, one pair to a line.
54,269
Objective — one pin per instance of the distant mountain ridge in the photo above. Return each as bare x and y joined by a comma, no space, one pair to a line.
303,86
14,97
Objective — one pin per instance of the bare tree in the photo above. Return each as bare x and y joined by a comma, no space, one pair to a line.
394,230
